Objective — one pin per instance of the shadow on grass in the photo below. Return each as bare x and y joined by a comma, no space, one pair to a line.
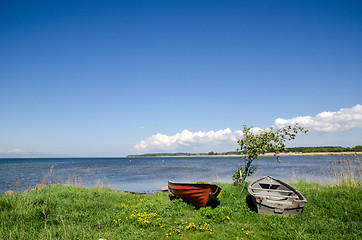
250,202
213,204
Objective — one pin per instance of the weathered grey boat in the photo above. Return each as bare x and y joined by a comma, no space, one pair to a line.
272,196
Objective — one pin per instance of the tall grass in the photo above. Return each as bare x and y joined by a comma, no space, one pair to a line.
346,171
51,178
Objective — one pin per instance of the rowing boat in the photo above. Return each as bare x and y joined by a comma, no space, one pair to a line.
198,194
272,196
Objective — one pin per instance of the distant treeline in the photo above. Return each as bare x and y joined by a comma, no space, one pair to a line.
164,155
182,154
330,149
325,149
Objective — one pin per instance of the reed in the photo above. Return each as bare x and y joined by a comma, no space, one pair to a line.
51,178
346,171
101,183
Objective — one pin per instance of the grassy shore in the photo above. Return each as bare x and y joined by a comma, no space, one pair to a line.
69,212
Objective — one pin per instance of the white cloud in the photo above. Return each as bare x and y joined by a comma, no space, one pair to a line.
340,121
188,139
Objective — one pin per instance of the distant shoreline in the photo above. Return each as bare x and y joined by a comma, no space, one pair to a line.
265,155
314,154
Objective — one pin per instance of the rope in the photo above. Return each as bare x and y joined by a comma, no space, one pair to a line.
246,178
216,198
271,180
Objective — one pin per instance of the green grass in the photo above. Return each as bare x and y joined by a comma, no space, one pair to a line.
68,212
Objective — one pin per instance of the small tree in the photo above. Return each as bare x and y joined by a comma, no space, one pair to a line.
253,145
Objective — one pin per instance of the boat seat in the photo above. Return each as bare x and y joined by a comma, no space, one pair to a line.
272,190
275,196
278,202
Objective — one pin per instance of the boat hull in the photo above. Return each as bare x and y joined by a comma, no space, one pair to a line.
198,194
274,197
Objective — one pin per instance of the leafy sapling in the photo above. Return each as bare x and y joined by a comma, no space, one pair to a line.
252,145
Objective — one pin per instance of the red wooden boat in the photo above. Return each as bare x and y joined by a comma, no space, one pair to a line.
198,194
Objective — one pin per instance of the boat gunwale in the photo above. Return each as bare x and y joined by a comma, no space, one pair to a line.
294,191
217,190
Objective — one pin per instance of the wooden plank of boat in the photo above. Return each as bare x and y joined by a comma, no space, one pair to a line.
198,194
272,196
271,190
275,196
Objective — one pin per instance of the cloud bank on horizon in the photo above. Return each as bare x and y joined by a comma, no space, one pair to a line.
325,122
11,151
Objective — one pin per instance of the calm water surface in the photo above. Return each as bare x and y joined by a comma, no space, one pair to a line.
151,174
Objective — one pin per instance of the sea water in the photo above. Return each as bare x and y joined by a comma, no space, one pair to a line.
151,174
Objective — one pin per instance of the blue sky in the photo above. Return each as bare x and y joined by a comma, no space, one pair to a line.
111,78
